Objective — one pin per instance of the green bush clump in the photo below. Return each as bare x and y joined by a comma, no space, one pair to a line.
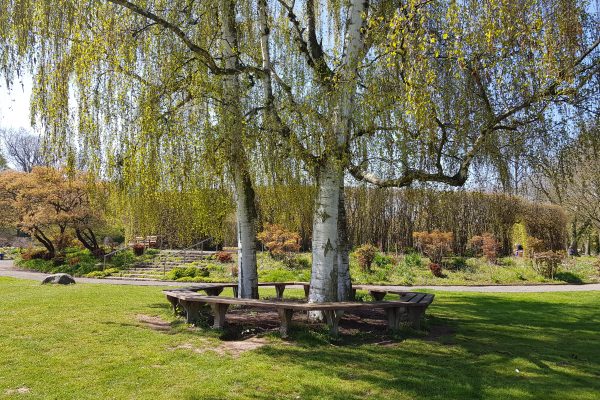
383,261
412,260
178,273
296,263
455,263
102,274
507,262
122,259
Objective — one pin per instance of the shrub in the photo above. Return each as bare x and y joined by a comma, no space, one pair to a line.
383,261
138,249
486,245
296,263
102,274
434,244
179,273
279,241
547,263
365,255
413,260
35,254
224,257
455,263
534,246
122,259
507,262
436,270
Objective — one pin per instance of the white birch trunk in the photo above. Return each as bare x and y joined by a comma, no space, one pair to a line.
232,124
324,277
330,273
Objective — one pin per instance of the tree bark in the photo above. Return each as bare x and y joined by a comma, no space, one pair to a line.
324,277
344,281
232,124
330,253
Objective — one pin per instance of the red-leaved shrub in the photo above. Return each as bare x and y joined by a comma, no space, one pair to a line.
486,245
435,244
436,270
224,257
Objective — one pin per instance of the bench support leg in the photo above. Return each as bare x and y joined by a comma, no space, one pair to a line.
353,294
333,320
219,311
235,291
192,309
213,291
378,296
279,291
174,303
285,316
414,316
394,317
306,290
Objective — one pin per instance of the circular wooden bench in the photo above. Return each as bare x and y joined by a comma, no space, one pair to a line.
410,307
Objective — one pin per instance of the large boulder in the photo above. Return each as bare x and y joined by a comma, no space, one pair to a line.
61,279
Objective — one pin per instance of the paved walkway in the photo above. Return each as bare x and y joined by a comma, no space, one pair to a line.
7,269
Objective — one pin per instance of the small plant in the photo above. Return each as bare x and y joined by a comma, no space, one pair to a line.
486,245
279,241
365,255
224,257
547,263
435,244
138,249
436,270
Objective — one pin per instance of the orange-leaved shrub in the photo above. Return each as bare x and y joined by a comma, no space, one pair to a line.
486,245
279,241
365,255
434,244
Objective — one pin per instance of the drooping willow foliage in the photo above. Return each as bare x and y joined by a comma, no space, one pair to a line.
436,85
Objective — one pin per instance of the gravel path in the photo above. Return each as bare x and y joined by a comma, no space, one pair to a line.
7,269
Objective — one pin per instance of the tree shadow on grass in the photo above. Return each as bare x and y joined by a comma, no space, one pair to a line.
568,277
555,346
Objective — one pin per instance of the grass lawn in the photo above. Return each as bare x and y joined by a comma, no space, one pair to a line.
87,342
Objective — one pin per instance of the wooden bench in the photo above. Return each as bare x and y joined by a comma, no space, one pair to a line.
411,307
215,289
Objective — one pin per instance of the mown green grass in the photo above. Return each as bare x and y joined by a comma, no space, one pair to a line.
85,342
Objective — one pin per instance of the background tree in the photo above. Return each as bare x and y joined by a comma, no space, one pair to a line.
24,149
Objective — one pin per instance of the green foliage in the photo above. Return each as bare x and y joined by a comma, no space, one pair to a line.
383,261
182,273
412,260
103,274
122,259
455,263
297,262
